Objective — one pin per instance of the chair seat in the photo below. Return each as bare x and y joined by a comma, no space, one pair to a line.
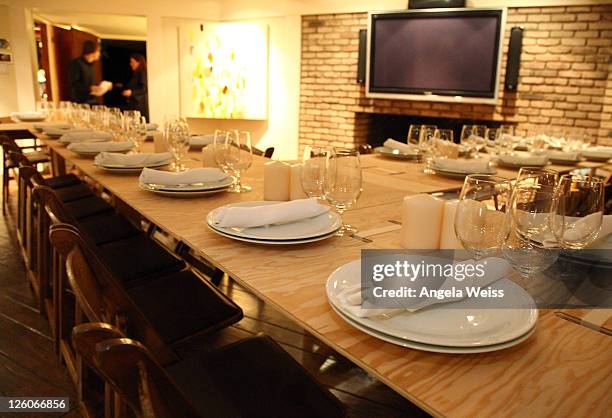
89,206
138,260
252,378
71,193
107,227
190,306
59,182
36,157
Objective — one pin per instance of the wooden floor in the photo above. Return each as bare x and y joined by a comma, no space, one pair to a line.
28,366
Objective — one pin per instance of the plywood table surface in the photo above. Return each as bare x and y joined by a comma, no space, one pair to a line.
564,369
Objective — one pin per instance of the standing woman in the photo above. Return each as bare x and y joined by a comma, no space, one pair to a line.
136,90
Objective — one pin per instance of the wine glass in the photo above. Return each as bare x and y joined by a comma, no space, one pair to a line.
342,182
427,146
537,175
238,156
528,224
177,138
413,134
114,125
444,135
577,212
481,212
138,132
313,171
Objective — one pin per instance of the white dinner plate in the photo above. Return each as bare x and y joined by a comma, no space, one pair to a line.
433,348
456,326
326,223
51,125
596,158
89,154
273,242
30,117
128,170
458,174
506,164
393,153
184,193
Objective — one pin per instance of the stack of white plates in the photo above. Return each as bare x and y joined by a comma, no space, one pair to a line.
29,116
306,230
188,190
414,154
455,328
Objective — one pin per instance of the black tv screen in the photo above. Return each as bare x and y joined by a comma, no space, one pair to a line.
448,53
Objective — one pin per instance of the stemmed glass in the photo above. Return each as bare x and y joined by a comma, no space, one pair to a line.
577,211
114,124
342,183
413,134
481,212
177,138
238,156
313,171
218,147
427,145
537,175
138,132
528,223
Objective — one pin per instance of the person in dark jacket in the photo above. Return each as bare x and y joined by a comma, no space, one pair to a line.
136,91
83,86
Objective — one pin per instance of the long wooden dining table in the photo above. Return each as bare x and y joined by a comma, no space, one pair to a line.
563,369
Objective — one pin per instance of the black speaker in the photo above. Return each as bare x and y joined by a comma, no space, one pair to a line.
361,63
514,58
434,4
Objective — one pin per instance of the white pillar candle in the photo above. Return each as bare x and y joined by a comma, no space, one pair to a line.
448,237
296,191
421,222
277,176
159,143
208,157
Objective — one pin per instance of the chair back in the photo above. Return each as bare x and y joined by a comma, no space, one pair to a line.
132,371
53,205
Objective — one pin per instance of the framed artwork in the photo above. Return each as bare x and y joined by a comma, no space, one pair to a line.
224,70
4,43
6,58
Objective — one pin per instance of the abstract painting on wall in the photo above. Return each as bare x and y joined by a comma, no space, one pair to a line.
224,70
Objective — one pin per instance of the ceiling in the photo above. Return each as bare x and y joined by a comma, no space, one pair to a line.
104,25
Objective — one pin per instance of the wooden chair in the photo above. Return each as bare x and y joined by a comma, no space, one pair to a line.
10,146
250,378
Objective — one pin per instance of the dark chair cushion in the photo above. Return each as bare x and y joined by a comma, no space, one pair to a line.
36,157
253,378
138,260
190,306
71,193
66,180
89,206
107,227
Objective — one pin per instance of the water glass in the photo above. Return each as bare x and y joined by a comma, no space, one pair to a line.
138,132
313,170
427,146
577,211
177,138
342,182
238,156
480,219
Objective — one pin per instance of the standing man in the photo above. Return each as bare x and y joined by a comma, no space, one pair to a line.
83,87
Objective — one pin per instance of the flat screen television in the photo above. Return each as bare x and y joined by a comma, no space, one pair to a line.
450,55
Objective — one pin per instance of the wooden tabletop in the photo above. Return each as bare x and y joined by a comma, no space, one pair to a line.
564,369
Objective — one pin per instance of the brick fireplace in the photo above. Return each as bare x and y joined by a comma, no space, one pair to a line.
564,78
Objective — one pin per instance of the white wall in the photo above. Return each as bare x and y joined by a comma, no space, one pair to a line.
8,103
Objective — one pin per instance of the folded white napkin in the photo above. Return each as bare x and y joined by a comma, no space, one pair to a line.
563,155
496,268
101,146
110,159
276,213
598,152
460,165
201,140
85,136
400,146
51,125
523,159
581,227
152,126
195,175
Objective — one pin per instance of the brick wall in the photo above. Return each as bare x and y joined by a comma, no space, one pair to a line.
564,78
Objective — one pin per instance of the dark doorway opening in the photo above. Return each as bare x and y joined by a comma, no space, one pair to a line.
116,66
